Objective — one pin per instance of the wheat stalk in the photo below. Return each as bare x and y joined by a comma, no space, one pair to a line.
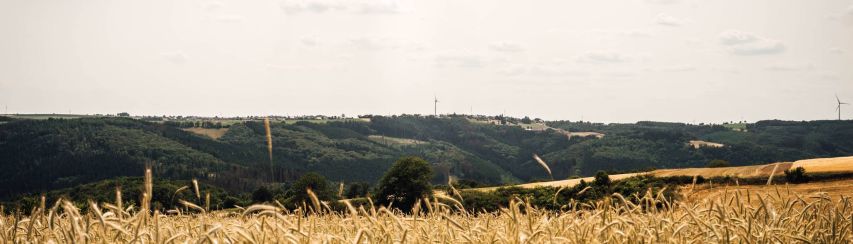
269,146
543,164
195,187
770,179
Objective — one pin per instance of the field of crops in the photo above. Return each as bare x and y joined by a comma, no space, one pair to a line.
731,217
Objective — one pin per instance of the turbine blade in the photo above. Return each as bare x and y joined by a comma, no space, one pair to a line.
836,98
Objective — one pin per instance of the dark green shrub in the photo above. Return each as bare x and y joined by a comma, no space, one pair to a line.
718,163
358,189
317,183
262,194
797,175
404,183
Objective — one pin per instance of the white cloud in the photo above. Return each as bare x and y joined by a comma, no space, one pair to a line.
229,18
506,47
380,7
309,41
668,20
619,74
628,33
353,6
662,1
176,57
372,44
759,48
790,67
734,37
603,57
836,50
850,10
458,59
302,67
677,68
212,5
828,75
542,70
311,6
744,43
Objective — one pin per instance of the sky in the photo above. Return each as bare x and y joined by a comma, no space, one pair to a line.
598,60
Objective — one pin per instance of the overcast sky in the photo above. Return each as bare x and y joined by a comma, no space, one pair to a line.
597,60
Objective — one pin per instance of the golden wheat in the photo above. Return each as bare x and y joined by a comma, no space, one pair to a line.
269,146
543,164
734,217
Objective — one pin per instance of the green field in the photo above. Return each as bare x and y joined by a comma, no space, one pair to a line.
736,126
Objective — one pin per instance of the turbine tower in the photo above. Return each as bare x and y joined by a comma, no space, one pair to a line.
435,106
838,108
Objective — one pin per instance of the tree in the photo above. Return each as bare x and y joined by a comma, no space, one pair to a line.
316,183
404,183
262,194
526,120
358,189
797,175
718,163
601,179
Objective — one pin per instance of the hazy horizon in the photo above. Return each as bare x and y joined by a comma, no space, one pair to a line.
602,61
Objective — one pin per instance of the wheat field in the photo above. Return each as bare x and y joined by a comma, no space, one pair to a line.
733,217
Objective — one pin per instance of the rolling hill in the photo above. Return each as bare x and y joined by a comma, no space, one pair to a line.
50,154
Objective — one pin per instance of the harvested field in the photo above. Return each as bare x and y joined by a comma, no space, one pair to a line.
835,189
826,165
697,144
812,166
212,133
561,183
741,171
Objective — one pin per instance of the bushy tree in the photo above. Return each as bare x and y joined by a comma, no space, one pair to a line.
358,189
601,179
404,183
797,175
262,194
316,182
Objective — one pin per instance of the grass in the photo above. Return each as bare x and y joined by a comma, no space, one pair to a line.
736,126
387,140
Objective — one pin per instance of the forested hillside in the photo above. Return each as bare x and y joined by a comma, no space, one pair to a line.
43,155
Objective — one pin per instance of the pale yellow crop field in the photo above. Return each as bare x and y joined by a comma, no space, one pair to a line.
212,133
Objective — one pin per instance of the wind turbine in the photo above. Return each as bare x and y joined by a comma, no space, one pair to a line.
435,106
838,108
